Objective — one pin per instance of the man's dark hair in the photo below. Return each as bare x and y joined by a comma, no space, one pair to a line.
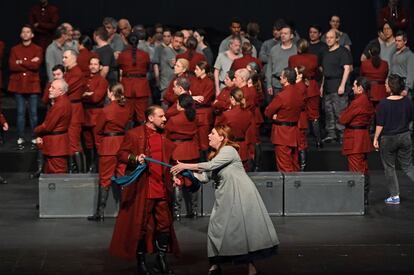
279,24
364,83
290,75
317,27
60,31
102,33
28,26
150,32
58,67
396,84
140,33
235,20
403,34
178,34
151,110
184,83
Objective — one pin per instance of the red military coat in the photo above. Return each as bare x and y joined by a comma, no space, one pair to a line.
287,107
134,77
76,82
93,104
83,61
241,122
203,87
197,57
303,119
242,62
183,133
48,20
57,120
309,61
359,113
169,96
128,226
377,77
112,119
222,102
24,78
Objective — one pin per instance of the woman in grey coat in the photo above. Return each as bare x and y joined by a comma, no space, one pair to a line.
240,229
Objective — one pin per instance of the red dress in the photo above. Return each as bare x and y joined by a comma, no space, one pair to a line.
203,87
77,86
133,218
110,131
357,142
54,132
241,122
93,105
377,77
135,82
285,132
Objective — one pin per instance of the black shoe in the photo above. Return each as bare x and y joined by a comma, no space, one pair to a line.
3,180
96,218
161,265
142,268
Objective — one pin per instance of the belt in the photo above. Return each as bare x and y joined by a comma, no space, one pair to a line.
239,139
378,82
285,123
55,133
88,105
356,127
75,100
332,77
127,75
113,134
181,140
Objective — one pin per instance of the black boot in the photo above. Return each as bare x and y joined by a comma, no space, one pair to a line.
257,157
80,162
302,160
366,189
142,268
161,261
3,180
91,160
178,198
317,133
72,165
40,162
103,193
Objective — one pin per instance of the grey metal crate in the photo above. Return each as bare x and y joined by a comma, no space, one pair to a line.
323,193
73,196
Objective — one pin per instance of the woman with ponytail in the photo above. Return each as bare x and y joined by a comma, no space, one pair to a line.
181,128
376,71
134,65
240,229
191,54
202,90
241,122
110,129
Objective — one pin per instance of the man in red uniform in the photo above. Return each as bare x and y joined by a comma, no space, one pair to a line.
93,101
144,220
222,102
44,18
52,134
242,62
24,63
76,81
357,142
285,110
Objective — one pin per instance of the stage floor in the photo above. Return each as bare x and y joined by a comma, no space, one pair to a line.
381,242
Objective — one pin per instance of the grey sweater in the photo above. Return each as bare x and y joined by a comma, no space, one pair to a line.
402,63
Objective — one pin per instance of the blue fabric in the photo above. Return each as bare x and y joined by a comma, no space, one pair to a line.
127,180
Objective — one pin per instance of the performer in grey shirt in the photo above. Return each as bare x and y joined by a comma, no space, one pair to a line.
402,62
235,28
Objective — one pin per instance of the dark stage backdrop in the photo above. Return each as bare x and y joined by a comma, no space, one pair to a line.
358,17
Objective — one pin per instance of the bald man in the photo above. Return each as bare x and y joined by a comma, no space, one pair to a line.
124,28
52,134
